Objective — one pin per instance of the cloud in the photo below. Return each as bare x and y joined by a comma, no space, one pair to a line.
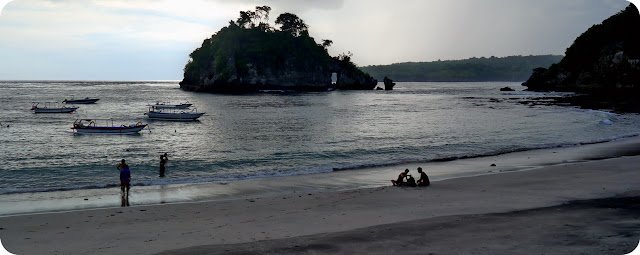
299,5
635,2
64,37
3,3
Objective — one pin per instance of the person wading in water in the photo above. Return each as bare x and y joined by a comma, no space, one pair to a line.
125,182
163,160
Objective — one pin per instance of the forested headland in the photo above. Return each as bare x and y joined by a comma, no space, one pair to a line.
606,56
250,54
603,64
512,68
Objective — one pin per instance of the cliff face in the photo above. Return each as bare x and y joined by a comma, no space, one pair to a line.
238,59
605,57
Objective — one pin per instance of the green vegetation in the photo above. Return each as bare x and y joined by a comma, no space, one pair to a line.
514,68
249,54
606,57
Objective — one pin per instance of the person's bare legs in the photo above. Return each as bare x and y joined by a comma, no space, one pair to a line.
122,195
127,197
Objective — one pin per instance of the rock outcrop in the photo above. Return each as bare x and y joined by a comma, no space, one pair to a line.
238,59
388,83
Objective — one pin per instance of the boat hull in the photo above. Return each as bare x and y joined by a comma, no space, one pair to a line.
81,101
109,130
174,116
54,110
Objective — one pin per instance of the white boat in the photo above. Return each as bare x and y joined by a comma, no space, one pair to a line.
51,108
80,101
173,113
159,105
91,126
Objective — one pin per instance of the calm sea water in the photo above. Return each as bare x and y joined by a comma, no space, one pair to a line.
271,134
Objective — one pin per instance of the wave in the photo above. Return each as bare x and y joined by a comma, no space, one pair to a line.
318,170
487,154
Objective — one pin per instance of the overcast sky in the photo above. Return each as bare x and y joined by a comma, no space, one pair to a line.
151,39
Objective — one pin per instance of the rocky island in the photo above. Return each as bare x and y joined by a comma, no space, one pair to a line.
603,64
251,55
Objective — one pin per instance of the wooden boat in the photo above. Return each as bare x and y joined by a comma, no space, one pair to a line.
173,113
90,126
81,101
159,105
51,108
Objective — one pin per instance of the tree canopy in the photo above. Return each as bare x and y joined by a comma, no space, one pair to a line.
291,23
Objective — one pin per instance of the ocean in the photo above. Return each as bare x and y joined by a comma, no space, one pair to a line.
276,133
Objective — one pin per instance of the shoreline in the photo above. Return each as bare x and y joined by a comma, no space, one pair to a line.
361,167
370,177
299,213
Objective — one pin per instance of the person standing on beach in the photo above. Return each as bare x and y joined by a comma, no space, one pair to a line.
424,179
163,160
125,182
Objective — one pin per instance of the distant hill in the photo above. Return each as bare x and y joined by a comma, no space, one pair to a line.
512,68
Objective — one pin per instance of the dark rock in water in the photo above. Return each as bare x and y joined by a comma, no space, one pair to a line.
507,89
388,83
246,57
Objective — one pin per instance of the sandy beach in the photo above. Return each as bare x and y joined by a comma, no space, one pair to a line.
566,206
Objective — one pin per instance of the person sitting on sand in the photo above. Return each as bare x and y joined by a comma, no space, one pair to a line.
424,179
400,180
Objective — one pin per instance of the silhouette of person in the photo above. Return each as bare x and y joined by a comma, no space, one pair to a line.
125,182
163,160
424,179
400,180
122,164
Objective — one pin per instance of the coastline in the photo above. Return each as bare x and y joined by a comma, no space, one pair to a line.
368,177
316,207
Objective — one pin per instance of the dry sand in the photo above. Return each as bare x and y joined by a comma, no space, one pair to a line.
507,213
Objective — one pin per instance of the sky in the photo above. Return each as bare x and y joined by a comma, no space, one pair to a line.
152,39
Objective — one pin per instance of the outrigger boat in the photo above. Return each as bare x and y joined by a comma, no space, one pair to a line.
89,126
49,108
81,101
159,105
173,113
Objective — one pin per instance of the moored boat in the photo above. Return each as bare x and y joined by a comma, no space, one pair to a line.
51,108
90,126
173,113
81,101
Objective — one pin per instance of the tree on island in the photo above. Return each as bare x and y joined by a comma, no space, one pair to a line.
254,19
326,43
291,23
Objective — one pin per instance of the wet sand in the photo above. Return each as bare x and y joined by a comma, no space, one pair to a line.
599,226
514,212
